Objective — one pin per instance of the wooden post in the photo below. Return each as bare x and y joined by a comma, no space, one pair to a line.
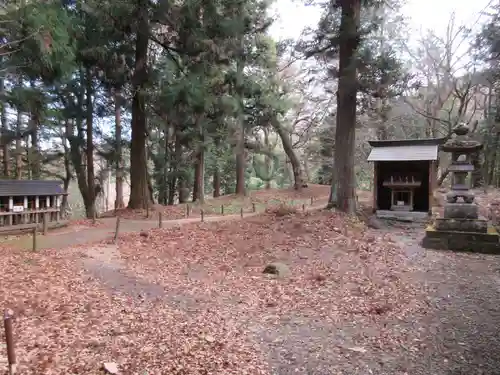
160,220
117,228
45,224
253,207
34,239
11,206
312,201
9,340
432,183
188,209
202,214
303,207
375,187
222,209
147,210
241,212
411,199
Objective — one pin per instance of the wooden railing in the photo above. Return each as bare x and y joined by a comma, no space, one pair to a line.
28,217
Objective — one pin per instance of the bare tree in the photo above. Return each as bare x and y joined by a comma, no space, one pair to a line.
308,110
447,87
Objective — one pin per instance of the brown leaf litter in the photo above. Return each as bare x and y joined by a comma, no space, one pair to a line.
216,302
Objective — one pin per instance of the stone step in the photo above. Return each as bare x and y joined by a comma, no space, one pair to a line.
462,241
490,236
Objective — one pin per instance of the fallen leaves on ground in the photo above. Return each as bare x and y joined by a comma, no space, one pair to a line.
260,199
215,303
489,203
66,323
87,223
340,271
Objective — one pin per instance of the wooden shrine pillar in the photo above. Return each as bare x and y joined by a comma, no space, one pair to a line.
375,187
432,184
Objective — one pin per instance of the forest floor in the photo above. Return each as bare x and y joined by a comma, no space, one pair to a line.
258,200
192,299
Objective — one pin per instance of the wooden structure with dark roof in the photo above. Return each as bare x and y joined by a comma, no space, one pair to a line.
405,176
27,203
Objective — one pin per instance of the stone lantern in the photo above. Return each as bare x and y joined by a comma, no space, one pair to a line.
461,228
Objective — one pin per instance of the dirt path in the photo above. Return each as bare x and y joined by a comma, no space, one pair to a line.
86,235
67,237
460,334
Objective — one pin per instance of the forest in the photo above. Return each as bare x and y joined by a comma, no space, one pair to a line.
172,102
262,251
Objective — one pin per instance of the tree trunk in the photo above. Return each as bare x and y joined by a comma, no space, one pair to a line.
150,191
345,180
76,144
443,176
240,162
68,132
216,182
174,176
240,130
199,169
119,154
493,159
199,177
307,171
290,153
477,173
240,172
382,132
35,152
164,191
90,208
34,125
183,190
139,197
267,159
19,149
4,124
79,144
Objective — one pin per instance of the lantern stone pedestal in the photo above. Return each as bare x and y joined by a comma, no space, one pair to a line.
461,228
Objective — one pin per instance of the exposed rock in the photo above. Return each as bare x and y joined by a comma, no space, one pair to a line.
209,339
374,223
144,234
110,368
358,349
278,269
319,277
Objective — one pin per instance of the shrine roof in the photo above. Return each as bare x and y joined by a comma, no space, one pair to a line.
21,188
405,149
408,142
404,153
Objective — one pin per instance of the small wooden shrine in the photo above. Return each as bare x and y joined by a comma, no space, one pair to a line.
25,203
402,191
405,175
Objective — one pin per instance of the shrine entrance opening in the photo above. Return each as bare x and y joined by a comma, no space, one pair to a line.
403,186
